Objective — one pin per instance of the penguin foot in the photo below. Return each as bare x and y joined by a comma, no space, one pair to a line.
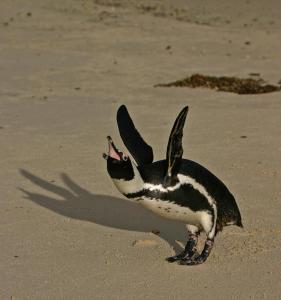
179,257
192,262
201,258
188,251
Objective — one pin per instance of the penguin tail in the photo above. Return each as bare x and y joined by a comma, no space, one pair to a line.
239,223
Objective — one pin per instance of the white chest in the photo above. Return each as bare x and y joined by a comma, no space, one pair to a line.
173,211
130,186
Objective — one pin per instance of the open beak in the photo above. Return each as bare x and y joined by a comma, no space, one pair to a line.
113,152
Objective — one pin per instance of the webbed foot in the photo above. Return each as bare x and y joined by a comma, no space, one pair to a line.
177,257
201,258
188,251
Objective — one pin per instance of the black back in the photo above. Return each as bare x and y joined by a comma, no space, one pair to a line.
228,210
139,149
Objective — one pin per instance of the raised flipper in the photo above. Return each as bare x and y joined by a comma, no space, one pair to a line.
174,149
139,149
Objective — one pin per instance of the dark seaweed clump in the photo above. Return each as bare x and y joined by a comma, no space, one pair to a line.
225,84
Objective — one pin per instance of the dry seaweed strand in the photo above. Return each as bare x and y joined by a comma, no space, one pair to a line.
225,84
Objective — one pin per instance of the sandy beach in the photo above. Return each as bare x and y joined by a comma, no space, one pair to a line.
65,68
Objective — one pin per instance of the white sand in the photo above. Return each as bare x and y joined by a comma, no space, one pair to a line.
65,67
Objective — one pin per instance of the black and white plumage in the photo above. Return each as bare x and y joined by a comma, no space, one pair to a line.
174,188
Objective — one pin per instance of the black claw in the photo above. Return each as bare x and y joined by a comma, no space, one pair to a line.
201,258
188,252
171,259
191,262
174,258
180,257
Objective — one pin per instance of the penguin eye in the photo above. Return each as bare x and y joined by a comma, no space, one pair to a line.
124,157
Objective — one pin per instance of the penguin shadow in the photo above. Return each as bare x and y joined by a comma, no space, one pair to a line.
75,202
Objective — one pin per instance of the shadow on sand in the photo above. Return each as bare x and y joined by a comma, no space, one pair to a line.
75,202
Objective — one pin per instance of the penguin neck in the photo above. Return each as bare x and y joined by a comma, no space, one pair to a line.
131,186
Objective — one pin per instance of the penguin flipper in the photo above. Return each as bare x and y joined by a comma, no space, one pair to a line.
139,149
174,148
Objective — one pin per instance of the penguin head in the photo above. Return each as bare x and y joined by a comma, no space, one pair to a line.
119,165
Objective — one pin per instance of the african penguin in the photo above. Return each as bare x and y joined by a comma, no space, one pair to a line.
174,188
